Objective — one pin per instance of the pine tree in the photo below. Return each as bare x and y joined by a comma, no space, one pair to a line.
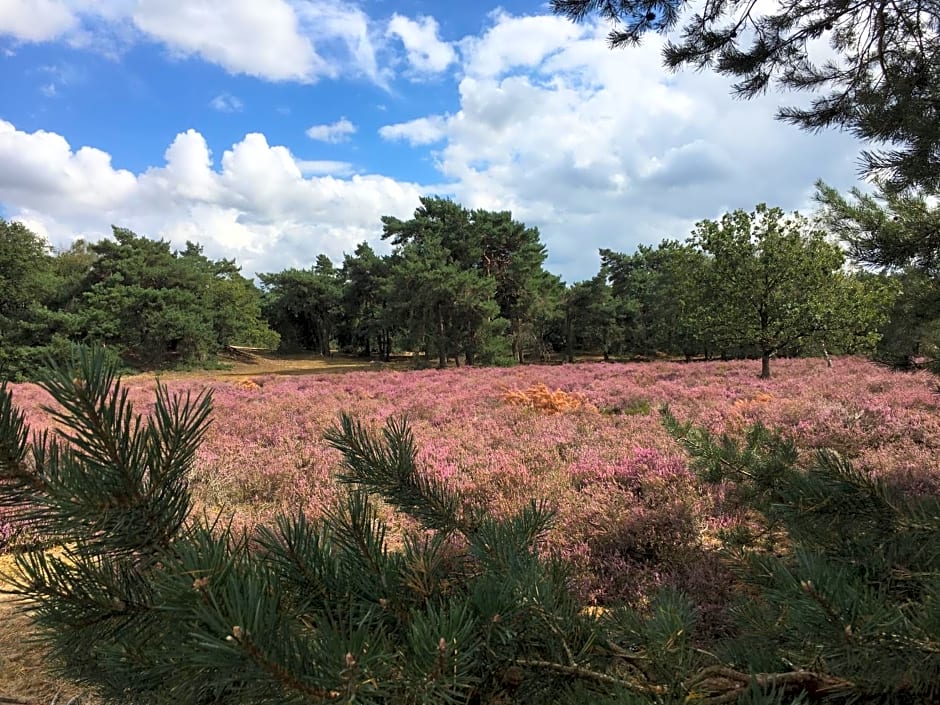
147,602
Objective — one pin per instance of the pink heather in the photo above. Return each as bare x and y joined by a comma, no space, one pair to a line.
630,513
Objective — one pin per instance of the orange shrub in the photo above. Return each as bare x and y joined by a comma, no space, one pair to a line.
540,397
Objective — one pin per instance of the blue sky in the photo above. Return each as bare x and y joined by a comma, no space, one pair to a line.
273,131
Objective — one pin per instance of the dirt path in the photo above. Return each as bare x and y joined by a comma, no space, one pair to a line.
247,363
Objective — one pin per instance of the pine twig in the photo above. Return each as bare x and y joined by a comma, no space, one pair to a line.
281,675
725,685
588,674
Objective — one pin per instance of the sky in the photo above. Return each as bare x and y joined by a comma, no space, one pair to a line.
271,131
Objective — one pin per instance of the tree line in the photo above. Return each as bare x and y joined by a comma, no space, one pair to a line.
463,286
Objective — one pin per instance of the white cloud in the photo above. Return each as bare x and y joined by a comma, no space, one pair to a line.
275,40
35,20
602,148
425,130
340,22
226,103
426,52
516,42
339,131
243,36
597,148
40,169
260,204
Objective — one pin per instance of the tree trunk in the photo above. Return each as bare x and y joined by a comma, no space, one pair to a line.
441,341
569,342
765,365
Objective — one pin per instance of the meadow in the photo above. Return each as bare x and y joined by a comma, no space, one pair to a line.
587,437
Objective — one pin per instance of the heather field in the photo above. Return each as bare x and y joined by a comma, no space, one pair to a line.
630,513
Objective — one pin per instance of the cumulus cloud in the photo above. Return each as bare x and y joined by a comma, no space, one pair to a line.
243,36
339,131
597,148
259,204
337,22
35,20
516,42
425,130
602,148
275,40
426,52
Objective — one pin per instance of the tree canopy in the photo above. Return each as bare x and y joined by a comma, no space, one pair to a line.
151,306
463,286
898,234
26,283
775,282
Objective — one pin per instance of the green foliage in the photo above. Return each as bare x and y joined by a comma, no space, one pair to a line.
455,272
303,305
880,79
366,324
844,575
900,235
496,346
26,285
153,307
593,317
663,289
460,286
776,283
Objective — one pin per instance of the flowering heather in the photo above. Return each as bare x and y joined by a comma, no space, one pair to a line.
631,515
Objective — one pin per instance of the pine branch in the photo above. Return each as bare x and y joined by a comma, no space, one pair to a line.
590,675
17,480
720,685
282,675
389,469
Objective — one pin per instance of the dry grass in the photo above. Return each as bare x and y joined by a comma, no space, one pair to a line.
24,672
255,363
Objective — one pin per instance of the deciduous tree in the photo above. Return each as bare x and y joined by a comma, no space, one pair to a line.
26,283
777,282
